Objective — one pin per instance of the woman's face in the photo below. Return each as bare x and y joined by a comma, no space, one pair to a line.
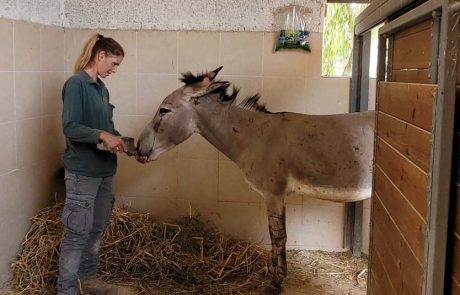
107,63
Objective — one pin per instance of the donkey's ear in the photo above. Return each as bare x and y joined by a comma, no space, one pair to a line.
216,86
213,74
202,91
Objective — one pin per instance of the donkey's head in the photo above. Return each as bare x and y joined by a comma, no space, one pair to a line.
174,121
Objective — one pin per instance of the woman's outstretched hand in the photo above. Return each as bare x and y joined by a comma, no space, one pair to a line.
113,143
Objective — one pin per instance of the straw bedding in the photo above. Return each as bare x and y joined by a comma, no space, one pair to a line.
188,256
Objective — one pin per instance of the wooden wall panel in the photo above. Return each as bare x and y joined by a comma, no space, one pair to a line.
412,103
402,164
380,282
404,271
411,76
414,143
411,47
405,217
455,287
423,26
410,180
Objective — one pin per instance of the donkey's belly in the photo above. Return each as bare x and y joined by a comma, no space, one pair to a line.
330,193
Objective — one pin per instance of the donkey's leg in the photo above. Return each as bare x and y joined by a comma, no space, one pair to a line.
277,225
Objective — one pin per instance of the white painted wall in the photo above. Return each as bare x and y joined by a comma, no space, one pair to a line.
203,15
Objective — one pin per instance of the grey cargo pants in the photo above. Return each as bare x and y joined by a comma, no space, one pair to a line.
87,210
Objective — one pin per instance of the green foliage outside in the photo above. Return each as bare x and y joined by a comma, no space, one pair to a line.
338,38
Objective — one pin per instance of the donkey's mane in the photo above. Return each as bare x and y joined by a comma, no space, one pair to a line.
249,103
189,78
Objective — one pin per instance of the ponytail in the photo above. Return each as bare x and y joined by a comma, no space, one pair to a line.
95,44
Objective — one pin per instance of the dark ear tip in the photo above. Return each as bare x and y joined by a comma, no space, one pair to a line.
216,71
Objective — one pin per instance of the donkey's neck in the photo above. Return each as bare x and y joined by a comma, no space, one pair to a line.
229,128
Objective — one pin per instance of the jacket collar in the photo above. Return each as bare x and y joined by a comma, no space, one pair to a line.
88,79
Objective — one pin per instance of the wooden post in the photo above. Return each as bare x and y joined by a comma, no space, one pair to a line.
441,156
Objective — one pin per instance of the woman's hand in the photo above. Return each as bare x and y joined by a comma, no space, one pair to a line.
143,159
113,143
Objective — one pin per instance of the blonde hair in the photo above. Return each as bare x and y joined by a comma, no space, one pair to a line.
95,44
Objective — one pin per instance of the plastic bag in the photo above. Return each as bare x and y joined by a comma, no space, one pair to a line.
292,21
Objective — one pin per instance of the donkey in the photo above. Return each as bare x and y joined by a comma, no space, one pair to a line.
321,156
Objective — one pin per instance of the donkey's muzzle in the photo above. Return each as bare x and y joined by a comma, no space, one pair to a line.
145,143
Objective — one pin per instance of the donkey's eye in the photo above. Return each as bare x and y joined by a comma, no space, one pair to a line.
164,111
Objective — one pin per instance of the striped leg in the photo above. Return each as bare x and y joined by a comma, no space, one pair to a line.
277,225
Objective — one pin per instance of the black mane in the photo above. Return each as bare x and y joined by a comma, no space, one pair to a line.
252,103
189,78
249,103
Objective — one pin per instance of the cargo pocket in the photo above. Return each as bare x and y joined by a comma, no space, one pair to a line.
72,183
76,215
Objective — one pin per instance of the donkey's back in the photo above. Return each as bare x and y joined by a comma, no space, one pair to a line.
322,156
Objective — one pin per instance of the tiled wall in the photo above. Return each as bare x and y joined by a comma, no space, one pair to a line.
31,77
193,177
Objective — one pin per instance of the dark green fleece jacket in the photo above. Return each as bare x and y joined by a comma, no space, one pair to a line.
86,112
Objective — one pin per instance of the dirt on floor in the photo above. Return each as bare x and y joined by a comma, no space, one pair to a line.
321,273
315,273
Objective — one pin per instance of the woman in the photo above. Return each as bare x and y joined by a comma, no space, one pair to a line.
89,172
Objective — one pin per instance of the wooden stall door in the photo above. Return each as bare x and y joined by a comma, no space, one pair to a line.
402,163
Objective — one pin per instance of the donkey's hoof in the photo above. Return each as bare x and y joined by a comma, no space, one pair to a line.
270,290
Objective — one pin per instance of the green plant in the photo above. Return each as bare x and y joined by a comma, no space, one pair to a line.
338,38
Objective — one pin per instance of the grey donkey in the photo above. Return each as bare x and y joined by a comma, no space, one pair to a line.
327,157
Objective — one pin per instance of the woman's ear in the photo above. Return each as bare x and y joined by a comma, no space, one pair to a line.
101,55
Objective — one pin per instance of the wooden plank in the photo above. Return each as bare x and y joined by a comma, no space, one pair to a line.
369,10
441,170
379,276
388,255
414,143
423,26
404,271
455,288
377,14
411,18
410,180
412,103
412,51
410,224
411,76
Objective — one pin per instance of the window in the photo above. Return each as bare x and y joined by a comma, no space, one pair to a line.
338,38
